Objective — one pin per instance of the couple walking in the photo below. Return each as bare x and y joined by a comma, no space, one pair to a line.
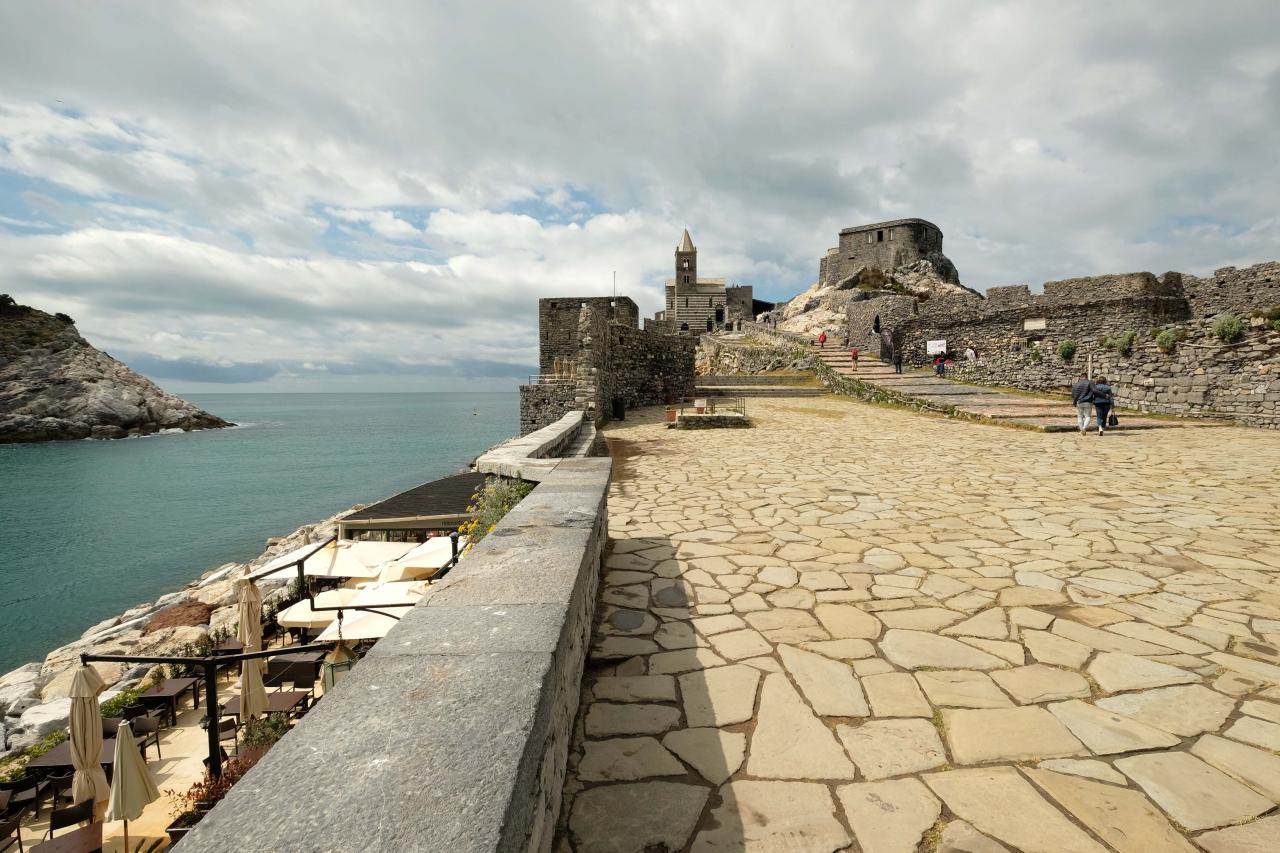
1092,397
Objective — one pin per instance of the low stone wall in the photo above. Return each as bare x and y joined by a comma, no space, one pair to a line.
747,355
453,733
1200,378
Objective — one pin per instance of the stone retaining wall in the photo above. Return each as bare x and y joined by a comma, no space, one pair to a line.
545,403
1201,377
453,733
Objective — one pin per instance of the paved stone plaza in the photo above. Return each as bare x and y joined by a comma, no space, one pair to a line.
860,628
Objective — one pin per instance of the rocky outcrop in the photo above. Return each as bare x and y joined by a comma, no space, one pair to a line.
823,307
54,385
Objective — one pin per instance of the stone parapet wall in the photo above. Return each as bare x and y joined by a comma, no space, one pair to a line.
545,403
453,733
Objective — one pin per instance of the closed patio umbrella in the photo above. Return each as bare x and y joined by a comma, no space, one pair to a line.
89,783
132,787
253,696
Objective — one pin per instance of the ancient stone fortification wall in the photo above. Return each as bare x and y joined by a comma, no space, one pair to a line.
867,317
1234,290
599,347
886,246
1201,377
459,747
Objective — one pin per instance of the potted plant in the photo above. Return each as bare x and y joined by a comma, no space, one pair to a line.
670,414
192,805
699,406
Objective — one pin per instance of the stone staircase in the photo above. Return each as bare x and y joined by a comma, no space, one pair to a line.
761,385
1027,409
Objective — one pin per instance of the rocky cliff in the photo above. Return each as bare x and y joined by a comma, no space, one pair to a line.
54,385
822,306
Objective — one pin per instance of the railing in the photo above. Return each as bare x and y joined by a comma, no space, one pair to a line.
548,379
714,406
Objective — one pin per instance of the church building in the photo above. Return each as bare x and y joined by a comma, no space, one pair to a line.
696,304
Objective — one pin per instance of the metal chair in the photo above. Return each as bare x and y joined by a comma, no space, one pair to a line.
109,726
62,818
57,788
147,728
11,831
228,729
277,674
24,793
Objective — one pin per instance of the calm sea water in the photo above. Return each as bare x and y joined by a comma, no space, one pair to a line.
89,529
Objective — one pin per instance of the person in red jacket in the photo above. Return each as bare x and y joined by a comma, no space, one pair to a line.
853,356
822,339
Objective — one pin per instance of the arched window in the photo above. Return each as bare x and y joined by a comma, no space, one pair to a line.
875,324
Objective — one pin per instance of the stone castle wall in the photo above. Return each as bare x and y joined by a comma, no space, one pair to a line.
1200,377
609,358
1238,291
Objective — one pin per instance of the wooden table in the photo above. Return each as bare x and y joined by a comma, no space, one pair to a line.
279,702
86,839
166,693
229,646
59,758
308,660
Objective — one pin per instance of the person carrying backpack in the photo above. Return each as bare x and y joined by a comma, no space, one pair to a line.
1103,400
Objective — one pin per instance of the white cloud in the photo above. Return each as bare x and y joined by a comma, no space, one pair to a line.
402,180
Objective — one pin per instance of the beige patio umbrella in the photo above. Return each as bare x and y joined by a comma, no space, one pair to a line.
423,561
253,696
374,625
89,783
132,787
301,615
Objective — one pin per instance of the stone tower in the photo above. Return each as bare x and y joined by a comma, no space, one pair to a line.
686,263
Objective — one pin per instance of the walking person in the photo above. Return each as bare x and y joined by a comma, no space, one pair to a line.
822,339
1103,399
853,356
1082,397
897,359
940,366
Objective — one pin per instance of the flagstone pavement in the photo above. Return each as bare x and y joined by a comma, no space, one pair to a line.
860,628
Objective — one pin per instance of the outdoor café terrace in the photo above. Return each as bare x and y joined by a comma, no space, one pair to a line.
255,685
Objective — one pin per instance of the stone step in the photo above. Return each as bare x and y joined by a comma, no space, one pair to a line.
760,391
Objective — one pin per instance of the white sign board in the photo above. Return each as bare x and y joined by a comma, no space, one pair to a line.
936,348
1034,324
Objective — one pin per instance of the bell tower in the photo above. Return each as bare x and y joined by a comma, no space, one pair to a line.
686,262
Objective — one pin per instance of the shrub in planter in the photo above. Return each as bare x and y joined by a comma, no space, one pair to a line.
1166,341
263,733
14,767
1228,328
1067,350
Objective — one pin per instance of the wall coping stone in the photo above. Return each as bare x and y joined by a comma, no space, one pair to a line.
526,456
453,732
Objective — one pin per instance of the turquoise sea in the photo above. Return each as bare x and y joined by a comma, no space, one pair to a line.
89,529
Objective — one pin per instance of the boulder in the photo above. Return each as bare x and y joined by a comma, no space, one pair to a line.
188,613
45,718
100,627
26,672
60,685
217,594
170,641
225,619
19,705
14,693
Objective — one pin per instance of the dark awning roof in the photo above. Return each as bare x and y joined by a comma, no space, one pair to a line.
448,496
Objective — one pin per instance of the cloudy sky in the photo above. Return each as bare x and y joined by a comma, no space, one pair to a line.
312,196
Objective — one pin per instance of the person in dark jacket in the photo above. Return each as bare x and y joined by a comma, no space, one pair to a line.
1082,397
897,359
1103,399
